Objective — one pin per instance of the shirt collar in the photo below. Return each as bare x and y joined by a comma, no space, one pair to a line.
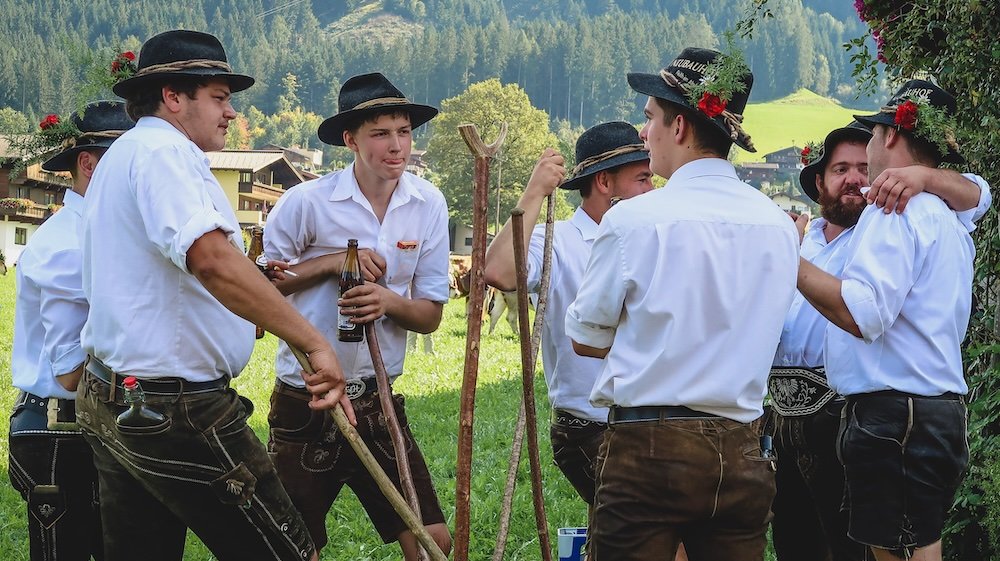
346,187
153,122
72,201
585,224
700,168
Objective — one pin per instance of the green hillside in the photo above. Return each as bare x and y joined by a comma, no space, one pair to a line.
793,120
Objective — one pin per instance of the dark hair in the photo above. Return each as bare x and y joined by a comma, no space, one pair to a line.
352,125
146,101
923,152
706,137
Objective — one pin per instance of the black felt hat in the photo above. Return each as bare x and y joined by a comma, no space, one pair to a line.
100,123
925,92
687,70
603,147
181,53
855,131
365,95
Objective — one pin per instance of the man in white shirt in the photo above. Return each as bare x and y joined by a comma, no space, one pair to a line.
402,220
173,300
900,310
612,164
50,463
684,297
809,524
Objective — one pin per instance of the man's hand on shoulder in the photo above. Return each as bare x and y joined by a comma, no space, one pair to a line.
894,187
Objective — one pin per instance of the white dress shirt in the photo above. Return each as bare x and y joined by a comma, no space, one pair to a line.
51,307
151,197
908,286
688,285
318,217
803,336
569,376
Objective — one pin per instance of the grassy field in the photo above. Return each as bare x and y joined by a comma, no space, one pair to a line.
792,120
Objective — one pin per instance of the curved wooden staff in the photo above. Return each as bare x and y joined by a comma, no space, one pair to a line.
477,291
395,430
536,338
378,474
528,385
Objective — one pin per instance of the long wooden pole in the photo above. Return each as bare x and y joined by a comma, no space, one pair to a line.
395,430
536,339
528,384
477,287
377,473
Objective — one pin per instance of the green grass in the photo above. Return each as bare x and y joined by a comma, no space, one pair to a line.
792,120
431,384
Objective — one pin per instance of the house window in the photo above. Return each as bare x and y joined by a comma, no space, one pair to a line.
245,176
468,241
50,198
20,236
23,192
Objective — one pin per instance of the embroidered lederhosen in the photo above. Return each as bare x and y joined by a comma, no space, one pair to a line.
799,391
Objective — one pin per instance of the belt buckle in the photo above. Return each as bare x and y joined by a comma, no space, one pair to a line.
354,388
52,418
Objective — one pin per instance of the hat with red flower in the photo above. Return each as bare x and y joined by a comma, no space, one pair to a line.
926,112
819,154
714,86
176,53
94,127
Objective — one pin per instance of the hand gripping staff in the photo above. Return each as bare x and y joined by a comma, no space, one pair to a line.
536,338
381,479
482,154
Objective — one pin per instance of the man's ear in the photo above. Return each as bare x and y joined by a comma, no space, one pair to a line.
602,182
171,99
892,136
350,142
86,162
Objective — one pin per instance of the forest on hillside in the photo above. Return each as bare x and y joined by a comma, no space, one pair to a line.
570,56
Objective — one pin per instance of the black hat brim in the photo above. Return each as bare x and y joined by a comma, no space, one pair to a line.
807,177
65,160
237,82
577,182
653,85
331,131
869,121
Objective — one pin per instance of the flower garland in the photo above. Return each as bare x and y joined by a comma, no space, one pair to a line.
917,116
722,78
812,152
123,66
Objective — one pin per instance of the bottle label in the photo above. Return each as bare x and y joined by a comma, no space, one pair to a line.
344,322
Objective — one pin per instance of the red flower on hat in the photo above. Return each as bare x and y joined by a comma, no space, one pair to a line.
49,121
805,154
711,105
906,115
124,62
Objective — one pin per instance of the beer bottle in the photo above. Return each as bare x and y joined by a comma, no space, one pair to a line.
256,254
349,278
138,417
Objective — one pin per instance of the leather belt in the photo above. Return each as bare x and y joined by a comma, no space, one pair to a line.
618,415
154,386
354,388
48,413
799,391
563,418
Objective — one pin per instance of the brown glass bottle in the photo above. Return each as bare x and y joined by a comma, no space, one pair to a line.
256,254
138,417
349,278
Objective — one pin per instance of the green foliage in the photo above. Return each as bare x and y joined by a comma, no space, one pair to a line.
723,76
487,105
13,121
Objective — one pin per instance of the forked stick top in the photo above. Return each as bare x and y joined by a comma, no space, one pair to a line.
479,149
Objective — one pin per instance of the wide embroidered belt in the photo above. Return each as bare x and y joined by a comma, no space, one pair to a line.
798,391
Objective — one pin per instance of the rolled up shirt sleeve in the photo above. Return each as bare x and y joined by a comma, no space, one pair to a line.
880,274
592,319
175,207
430,277
63,310
971,216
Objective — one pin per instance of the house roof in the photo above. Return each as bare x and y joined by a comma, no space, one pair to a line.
794,196
244,160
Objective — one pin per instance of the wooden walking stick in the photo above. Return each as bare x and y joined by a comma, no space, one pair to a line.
477,287
395,430
528,384
376,471
536,338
